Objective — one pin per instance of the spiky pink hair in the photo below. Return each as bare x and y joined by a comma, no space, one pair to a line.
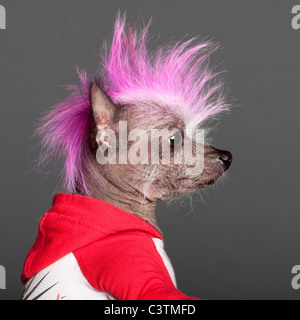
176,77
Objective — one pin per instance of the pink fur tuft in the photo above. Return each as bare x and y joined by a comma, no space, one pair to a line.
176,76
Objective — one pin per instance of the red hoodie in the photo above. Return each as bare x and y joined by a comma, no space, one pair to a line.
88,249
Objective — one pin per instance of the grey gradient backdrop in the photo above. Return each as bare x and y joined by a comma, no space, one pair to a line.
244,239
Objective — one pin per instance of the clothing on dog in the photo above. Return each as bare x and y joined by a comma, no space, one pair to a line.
87,249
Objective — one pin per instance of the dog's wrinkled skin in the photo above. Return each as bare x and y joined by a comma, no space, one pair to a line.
136,188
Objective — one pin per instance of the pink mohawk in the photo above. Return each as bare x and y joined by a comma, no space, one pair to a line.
176,77
65,131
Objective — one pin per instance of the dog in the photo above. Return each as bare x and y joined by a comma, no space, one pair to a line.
128,137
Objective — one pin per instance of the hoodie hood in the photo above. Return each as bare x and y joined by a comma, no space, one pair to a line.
73,222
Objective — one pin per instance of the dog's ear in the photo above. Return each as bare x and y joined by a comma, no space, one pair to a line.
104,110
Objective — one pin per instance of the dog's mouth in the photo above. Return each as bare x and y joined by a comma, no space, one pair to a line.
189,183
169,184
209,183
217,162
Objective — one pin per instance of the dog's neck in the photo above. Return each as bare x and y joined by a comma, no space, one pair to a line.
116,191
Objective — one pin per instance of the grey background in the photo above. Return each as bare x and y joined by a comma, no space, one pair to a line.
243,240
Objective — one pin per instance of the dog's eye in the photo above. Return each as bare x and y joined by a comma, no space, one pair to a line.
176,139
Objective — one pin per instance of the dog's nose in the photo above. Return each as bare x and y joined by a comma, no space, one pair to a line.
226,158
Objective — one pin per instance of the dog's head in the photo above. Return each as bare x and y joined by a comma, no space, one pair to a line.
154,152
142,119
